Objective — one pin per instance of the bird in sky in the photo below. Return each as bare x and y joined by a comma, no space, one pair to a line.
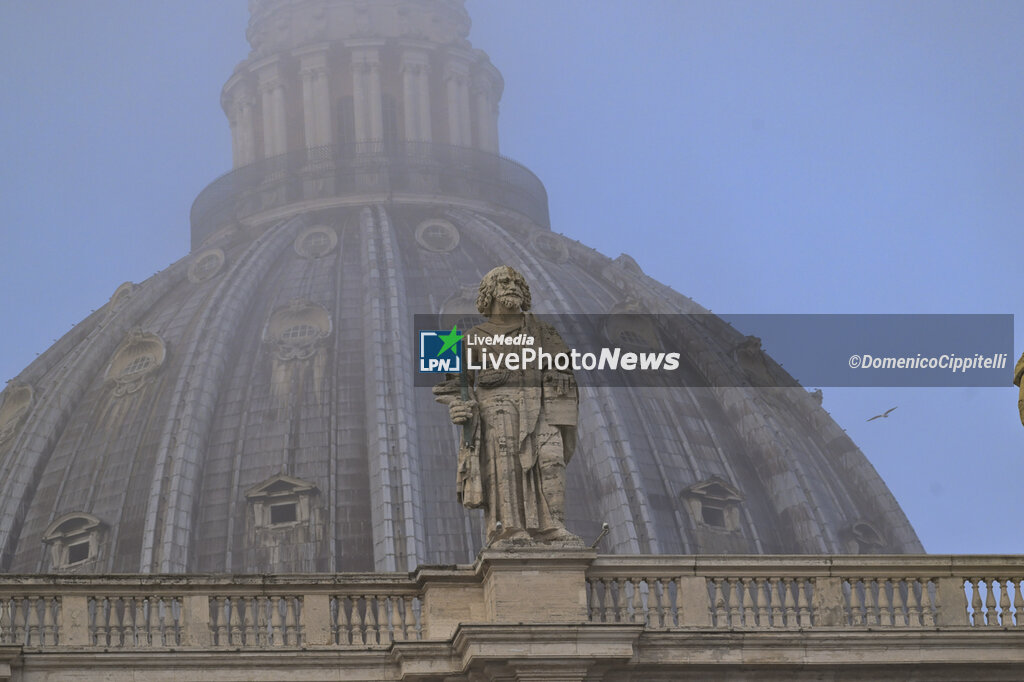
884,414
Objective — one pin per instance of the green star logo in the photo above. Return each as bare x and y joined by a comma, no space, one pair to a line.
450,339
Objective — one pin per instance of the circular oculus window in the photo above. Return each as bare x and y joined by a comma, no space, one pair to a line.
206,265
550,247
438,236
316,242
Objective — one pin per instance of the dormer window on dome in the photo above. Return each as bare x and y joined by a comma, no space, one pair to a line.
74,540
281,502
714,504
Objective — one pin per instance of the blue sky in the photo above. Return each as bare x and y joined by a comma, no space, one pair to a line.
783,157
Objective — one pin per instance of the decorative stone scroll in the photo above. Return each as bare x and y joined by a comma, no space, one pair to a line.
297,329
135,361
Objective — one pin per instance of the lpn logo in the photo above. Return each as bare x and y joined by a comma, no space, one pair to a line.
441,351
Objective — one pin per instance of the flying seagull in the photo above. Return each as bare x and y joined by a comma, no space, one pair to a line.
884,414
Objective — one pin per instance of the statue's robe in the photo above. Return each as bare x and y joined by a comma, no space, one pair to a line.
515,467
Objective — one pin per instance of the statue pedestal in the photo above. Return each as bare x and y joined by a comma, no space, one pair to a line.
535,584
521,584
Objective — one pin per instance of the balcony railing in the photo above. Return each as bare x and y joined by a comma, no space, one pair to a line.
247,612
789,592
368,169
657,593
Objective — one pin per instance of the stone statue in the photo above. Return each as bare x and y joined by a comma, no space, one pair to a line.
519,425
1018,373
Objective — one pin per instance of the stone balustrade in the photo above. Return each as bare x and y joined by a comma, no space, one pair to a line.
657,593
788,592
239,612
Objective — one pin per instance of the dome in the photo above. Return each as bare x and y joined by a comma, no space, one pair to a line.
252,407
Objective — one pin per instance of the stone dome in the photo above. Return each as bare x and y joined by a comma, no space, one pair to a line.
252,407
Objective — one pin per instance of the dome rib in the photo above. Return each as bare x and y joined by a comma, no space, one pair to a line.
390,415
166,540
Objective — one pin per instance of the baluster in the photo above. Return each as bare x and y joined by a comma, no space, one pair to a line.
872,588
140,623
605,605
174,613
399,605
383,611
621,609
220,612
372,624
914,610
802,607
773,589
626,596
718,612
927,618
98,613
248,607
127,622
678,608
334,607
358,635
114,622
734,603
32,622
789,602
1005,618
168,617
277,626
293,605
665,603
763,602
6,629
899,613
653,604
408,617
885,610
979,615
857,615
260,618
235,621
990,604
155,633
637,615
748,603
344,630
1019,602
48,629
418,612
